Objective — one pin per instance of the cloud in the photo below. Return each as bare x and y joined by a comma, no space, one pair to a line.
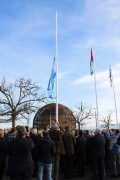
62,74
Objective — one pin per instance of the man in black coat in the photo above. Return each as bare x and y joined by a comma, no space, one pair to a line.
3,153
81,153
21,160
69,146
56,135
45,151
35,139
98,154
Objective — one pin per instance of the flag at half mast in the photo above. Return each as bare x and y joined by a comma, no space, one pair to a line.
91,63
51,83
110,76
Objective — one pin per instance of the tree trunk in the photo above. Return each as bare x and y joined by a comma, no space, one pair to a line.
13,121
79,126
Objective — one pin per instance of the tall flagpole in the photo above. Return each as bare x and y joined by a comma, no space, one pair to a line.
112,84
115,104
92,71
96,116
56,71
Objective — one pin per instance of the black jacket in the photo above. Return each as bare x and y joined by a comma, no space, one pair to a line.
21,159
80,146
56,136
98,146
3,150
45,150
35,139
118,141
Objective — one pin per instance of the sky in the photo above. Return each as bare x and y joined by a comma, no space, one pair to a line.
27,47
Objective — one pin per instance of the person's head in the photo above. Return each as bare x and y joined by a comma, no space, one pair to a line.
45,132
68,128
76,132
87,132
39,132
5,131
80,133
117,131
34,131
53,122
55,127
13,130
97,131
1,133
112,131
21,131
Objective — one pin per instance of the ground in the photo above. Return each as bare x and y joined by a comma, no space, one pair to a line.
88,176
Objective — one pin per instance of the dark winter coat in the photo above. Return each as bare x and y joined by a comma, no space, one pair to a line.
3,150
69,143
56,136
118,141
35,139
80,145
21,159
45,150
98,146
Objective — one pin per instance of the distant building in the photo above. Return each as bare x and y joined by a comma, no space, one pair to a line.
47,114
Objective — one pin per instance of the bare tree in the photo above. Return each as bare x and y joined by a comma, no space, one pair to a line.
19,99
107,120
82,113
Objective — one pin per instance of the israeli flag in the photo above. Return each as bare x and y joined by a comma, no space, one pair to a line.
51,83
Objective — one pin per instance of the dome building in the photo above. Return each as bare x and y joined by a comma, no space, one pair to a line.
47,114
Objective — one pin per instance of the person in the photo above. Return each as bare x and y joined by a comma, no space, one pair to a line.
69,145
118,164
11,135
81,153
45,151
3,153
56,135
88,139
114,158
39,133
35,139
21,160
97,155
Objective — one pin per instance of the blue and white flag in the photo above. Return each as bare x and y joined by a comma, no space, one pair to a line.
51,83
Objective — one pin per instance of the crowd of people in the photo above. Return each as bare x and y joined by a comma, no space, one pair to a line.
45,153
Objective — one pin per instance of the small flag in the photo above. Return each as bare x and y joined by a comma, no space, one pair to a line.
110,76
51,83
91,63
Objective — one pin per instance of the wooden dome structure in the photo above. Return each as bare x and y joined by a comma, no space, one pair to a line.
47,114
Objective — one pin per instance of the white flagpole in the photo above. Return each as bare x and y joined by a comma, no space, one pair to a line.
96,116
96,112
115,101
56,72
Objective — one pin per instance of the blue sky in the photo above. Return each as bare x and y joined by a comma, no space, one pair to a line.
27,46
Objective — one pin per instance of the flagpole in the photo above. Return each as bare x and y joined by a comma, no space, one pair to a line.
96,116
92,71
115,103
56,71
